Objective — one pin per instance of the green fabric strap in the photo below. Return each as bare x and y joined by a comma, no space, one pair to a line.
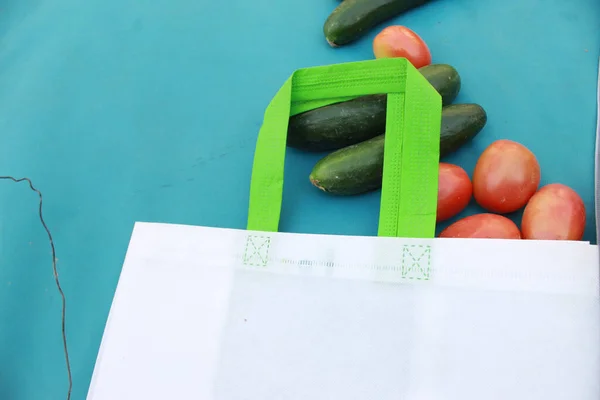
412,141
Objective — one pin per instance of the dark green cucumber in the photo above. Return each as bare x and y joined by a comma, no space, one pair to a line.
352,170
343,124
445,79
354,18
359,168
338,125
460,123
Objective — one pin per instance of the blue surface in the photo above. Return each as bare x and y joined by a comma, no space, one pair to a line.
124,110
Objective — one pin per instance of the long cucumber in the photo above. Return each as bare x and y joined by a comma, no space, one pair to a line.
359,168
354,18
343,124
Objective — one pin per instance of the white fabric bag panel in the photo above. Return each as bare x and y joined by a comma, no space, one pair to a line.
217,314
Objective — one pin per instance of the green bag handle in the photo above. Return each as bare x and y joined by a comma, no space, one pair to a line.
412,141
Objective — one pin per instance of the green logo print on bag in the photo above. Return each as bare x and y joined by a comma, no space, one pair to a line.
412,140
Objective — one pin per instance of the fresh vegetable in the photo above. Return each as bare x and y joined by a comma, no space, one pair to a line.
338,125
460,123
352,170
490,226
454,191
359,168
506,175
445,80
400,41
555,212
343,124
354,18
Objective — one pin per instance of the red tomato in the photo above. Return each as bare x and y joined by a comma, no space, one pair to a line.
489,226
506,175
556,212
399,41
454,191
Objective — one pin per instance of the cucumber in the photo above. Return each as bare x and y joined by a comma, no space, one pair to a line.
354,18
343,124
445,79
359,168
338,125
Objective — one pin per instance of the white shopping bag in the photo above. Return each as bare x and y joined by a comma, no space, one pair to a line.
216,314
220,314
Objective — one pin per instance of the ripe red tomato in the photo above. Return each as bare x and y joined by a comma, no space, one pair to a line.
488,226
454,191
506,175
555,212
400,41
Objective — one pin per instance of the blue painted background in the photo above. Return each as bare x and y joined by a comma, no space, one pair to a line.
148,110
